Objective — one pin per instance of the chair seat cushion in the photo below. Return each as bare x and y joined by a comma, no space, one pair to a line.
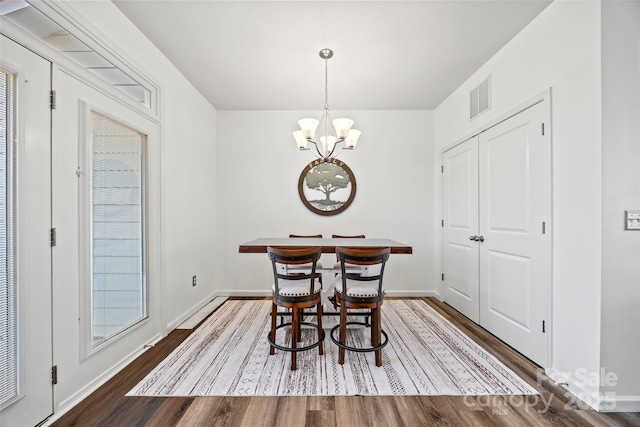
357,288
295,288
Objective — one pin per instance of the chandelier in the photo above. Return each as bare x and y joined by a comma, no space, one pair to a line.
326,144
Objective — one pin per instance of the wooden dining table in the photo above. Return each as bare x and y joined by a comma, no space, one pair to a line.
328,245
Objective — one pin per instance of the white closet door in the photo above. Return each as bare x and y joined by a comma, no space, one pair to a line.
514,214
460,205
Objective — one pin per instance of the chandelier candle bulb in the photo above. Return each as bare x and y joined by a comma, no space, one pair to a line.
300,139
343,126
328,142
352,138
308,127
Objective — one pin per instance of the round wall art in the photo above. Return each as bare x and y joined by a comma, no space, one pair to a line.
327,188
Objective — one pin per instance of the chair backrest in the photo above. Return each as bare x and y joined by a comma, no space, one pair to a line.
362,257
289,255
340,236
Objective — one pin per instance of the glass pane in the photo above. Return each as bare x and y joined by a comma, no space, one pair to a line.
8,283
118,285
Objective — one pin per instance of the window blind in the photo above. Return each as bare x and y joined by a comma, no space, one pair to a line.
8,282
118,291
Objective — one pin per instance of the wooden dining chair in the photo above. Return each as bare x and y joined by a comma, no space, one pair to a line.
295,292
352,269
364,292
304,268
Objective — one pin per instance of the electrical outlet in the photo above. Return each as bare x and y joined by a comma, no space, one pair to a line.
194,281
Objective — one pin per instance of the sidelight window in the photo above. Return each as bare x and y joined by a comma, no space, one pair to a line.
117,227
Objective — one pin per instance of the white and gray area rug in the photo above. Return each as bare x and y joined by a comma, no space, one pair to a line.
228,355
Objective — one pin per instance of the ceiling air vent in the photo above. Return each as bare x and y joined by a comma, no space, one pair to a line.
479,99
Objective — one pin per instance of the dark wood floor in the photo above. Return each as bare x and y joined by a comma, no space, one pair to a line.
108,405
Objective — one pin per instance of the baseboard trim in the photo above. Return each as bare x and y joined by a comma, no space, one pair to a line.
610,402
607,401
193,310
236,293
411,294
195,319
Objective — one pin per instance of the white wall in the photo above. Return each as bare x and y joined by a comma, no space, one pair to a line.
559,49
189,209
258,170
620,351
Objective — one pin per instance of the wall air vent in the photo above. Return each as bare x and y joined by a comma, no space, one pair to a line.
480,99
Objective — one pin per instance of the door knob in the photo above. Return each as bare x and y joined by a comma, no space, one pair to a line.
472,237
481,238
477,238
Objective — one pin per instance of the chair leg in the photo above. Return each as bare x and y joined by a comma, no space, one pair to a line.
272,334
300,319
343,331
376,336
295,325
319,317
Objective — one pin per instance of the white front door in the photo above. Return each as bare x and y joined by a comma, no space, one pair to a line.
33,400
101,322
460,205
515,210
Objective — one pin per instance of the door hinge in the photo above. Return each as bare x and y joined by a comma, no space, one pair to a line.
544,227
542,125
53,237
52,99
442,222
544,329
442,169
443,277
54,374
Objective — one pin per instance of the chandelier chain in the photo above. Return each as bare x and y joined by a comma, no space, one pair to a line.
326,84
326,117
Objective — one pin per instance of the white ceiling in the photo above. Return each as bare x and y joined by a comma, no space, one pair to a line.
263,55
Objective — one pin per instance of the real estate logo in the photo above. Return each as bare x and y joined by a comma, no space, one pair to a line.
581,379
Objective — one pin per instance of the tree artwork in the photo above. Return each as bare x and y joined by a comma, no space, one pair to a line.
327,178
327,187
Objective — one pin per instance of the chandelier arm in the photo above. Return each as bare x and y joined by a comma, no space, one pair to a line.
315,152
336,145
